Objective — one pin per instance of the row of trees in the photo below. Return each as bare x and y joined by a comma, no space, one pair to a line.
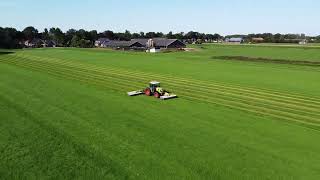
12,38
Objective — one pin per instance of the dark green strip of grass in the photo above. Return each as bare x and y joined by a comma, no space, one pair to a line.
267,60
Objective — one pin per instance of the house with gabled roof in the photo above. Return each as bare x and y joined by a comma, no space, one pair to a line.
161,43
39,43
157,43
49,43
34,43
123,44
101,41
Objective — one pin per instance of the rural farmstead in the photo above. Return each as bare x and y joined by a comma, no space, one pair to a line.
157,43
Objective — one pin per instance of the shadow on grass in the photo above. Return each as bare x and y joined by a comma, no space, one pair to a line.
267,60
5,53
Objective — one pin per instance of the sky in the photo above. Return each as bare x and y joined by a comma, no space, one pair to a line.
207,16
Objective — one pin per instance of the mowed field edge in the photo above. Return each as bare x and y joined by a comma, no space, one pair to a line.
290,107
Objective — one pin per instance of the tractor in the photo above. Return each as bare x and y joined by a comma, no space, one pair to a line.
155,90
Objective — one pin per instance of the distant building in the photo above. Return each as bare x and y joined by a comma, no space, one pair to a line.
39,43
234,40
168,43
142,44
123,45
49,43
303,42
101,41
161,43
257,40
34,43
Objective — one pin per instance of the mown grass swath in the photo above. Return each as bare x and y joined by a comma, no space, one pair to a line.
296,108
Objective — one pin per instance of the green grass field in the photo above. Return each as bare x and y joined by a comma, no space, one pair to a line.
64,114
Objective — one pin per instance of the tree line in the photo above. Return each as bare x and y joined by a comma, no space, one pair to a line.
11,38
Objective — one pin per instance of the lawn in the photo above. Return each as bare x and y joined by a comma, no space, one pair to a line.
64,113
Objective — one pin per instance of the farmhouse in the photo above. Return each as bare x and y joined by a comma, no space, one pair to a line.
34,43
161,43
101,41
168,43
234,40
123,44
49,43
37,43
141,44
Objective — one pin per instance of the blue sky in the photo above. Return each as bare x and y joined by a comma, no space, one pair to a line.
209,16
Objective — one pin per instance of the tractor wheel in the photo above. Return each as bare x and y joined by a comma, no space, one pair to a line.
156,95
147,92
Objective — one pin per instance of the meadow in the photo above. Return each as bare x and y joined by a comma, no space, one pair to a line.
64,113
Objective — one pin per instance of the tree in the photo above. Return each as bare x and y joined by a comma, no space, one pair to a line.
57,35
93,35
136,35
127,35
108,34
45,34
159,35
150,35
179,35
192,35
68,37
142,35
30,33
170,35
278,38
9,38
75,41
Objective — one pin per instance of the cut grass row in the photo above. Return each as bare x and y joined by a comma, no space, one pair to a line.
238,89
87,75
253,95
294,102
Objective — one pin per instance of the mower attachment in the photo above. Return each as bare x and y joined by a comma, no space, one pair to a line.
165,97
135,93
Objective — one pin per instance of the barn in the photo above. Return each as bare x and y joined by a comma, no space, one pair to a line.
161,43
123,44
142,44
168,43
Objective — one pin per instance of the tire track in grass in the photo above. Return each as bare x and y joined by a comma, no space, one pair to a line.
88,79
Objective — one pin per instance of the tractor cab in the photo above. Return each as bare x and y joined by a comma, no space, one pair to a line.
154,85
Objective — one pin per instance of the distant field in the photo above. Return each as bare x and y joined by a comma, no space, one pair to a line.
293,52
64,113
